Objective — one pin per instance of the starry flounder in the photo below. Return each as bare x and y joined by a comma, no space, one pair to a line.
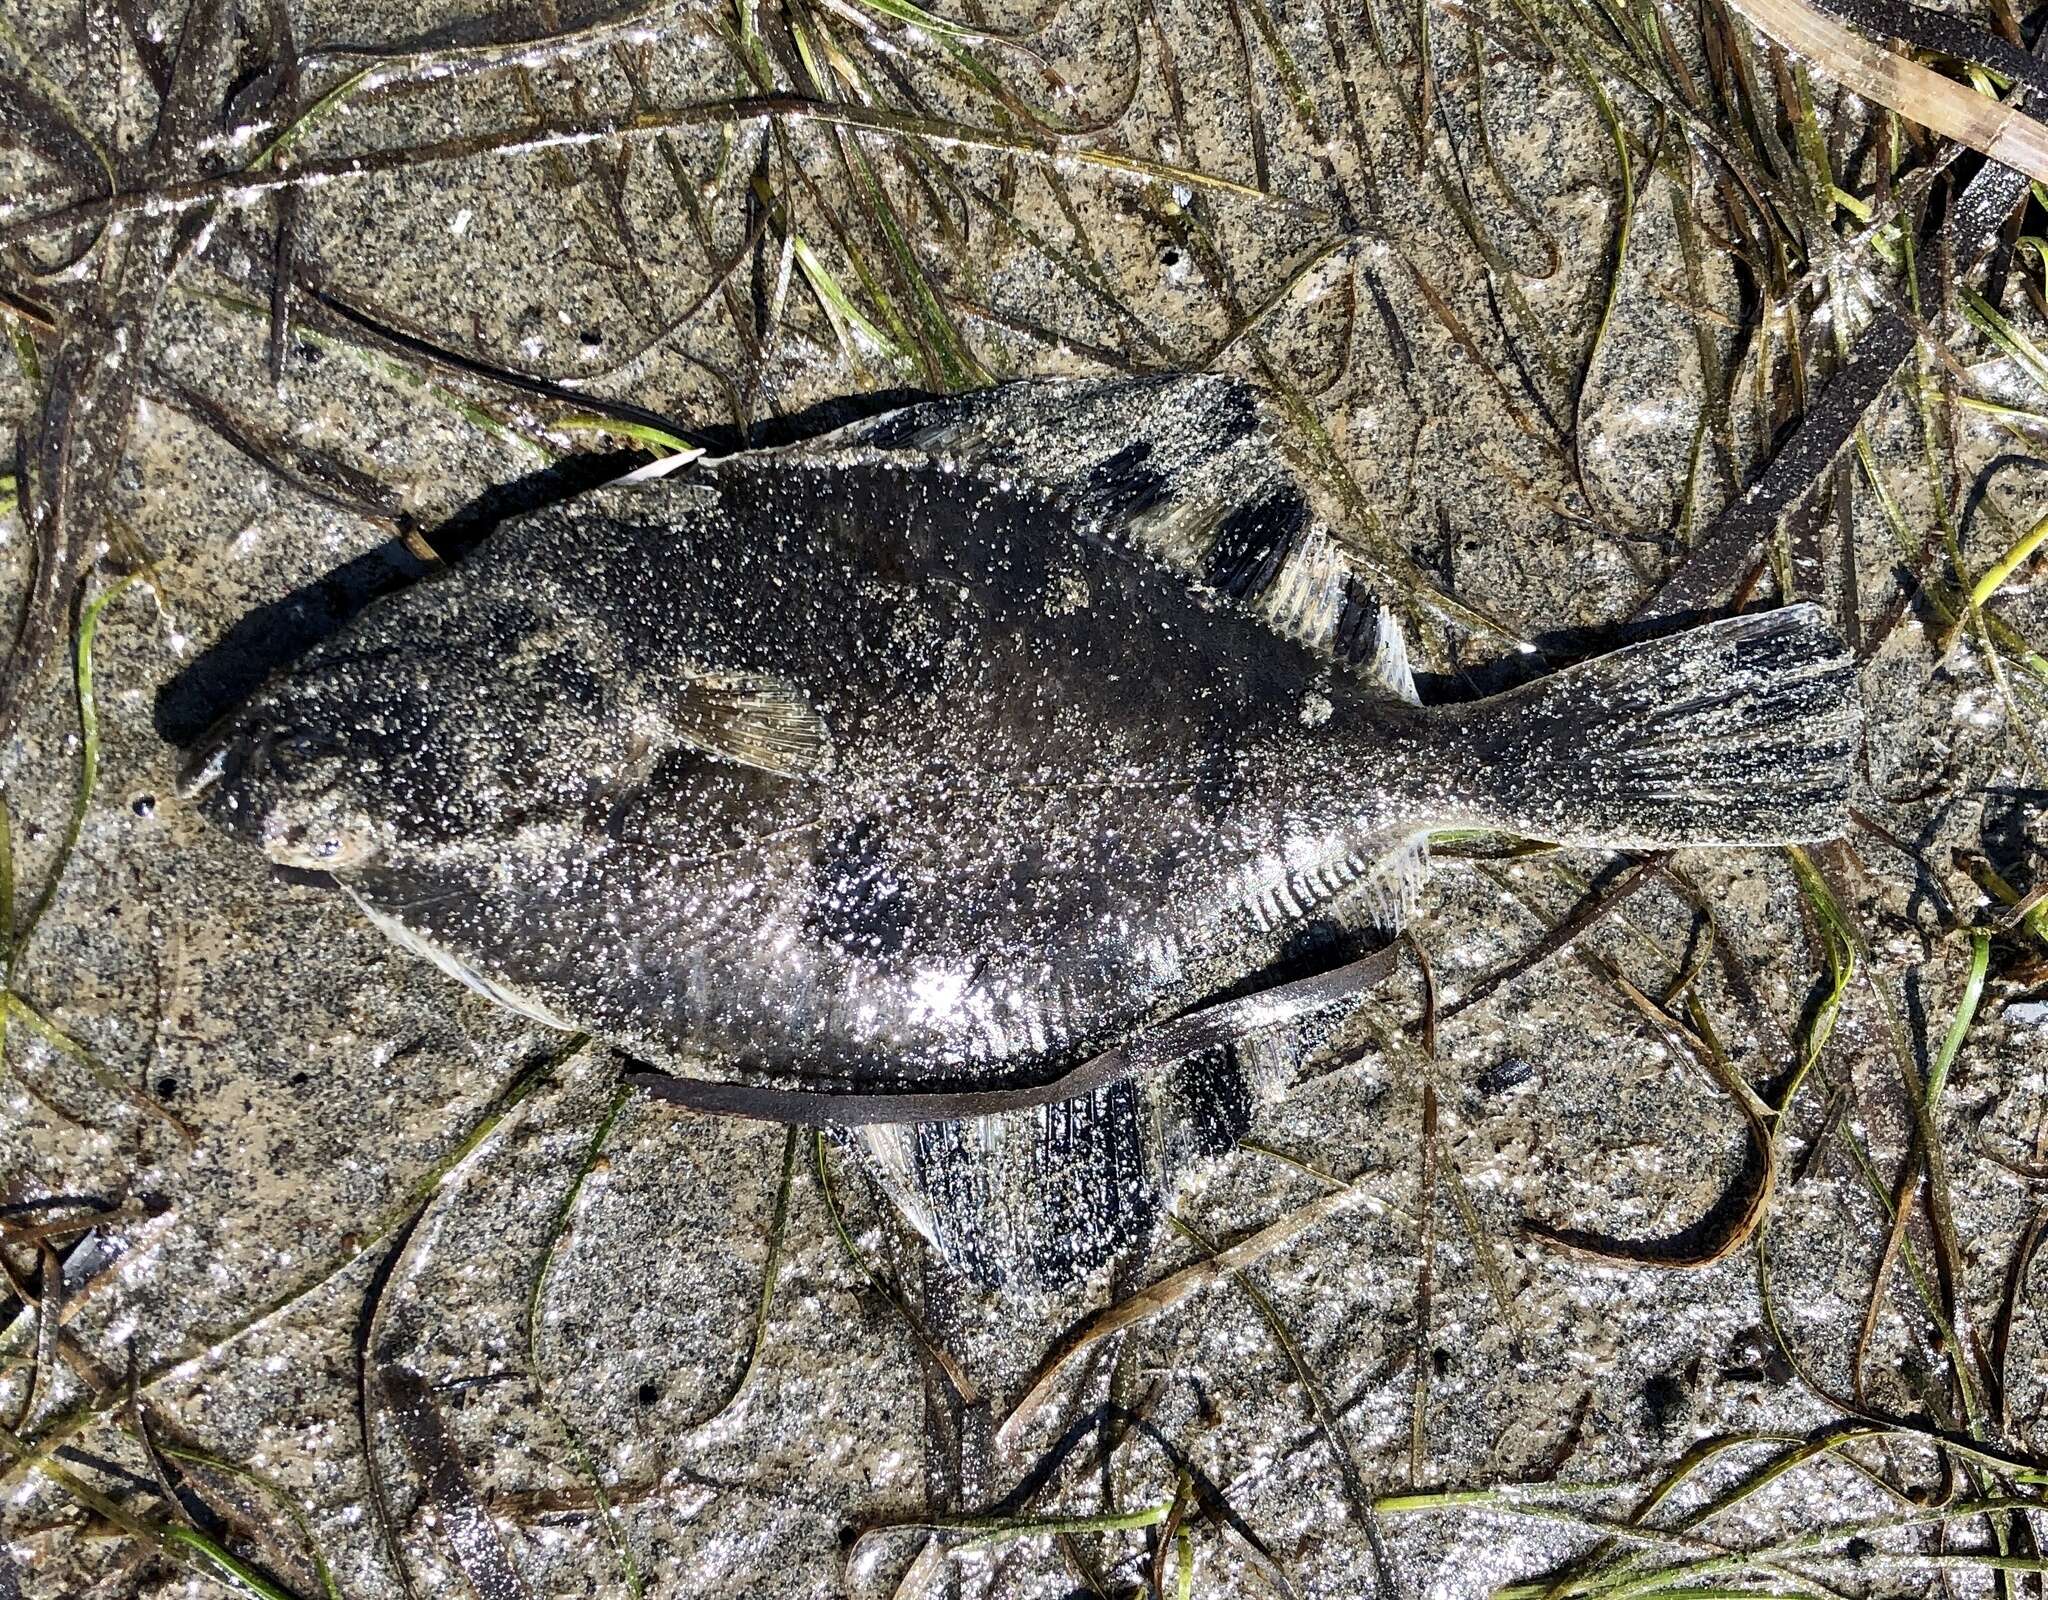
954,747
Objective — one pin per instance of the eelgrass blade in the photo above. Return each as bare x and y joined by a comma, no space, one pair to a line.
622,1549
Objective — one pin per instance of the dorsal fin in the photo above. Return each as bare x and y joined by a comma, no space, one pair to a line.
1179,467
754,719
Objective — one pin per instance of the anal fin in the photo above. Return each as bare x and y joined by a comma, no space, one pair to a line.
1369,884
1048,1194
1387,894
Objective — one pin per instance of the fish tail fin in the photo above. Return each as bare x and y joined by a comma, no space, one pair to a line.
1739,732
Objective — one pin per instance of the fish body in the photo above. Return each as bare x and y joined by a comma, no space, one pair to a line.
952,748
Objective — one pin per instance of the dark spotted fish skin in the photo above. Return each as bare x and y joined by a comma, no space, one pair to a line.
1051,788
944,751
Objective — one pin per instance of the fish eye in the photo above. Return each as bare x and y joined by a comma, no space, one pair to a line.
301,745
300,755
320,846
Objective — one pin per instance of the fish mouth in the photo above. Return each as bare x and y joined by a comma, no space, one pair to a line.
212,763
307,878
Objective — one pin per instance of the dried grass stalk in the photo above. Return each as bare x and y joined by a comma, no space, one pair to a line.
2003,132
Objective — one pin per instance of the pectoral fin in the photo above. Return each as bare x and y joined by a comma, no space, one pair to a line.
755,720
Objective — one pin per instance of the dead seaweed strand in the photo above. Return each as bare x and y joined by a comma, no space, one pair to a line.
366,1393
1736,1216
1715,432
41,1303
1113,1423
663,428
2004,132
301,1523
404,374
1632,198
318,477
539,50
2024,1250
88,767
1300,272
1772,1556
1558,937
1519,1502
460,1515
1802,1450
1938,1299
370,1390
1078,270
18,934
1910,1171
42,117
1255,115
1170,1533
1742,1209
206,1346
1502,281
1078,349
188,1547
1924,1152
1716,558
14,1006
983,1531
1328,1420
1425,1293
1711,1559
715,284
76,443
1908,1254
1525,212
56,1228
136,1426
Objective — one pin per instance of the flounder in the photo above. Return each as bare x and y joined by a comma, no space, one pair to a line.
954,747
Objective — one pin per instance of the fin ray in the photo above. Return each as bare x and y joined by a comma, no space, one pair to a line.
755,720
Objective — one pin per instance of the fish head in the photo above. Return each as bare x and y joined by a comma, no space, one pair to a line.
423,732
285,783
